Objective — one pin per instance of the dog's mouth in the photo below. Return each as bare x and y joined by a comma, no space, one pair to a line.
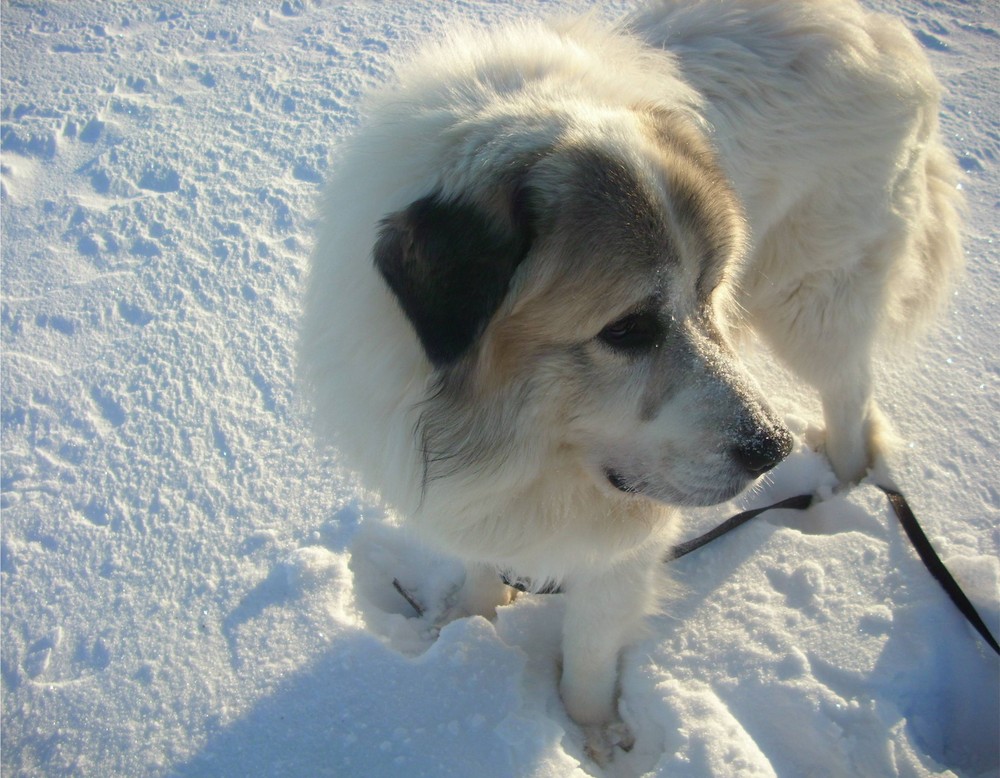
618,481
705,495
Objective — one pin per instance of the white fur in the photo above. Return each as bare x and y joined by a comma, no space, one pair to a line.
823,117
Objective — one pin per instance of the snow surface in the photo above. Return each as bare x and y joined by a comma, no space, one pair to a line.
190,589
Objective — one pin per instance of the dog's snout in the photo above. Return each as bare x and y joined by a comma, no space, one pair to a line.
759,453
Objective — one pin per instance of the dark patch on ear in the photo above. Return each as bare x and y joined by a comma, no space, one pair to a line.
449,266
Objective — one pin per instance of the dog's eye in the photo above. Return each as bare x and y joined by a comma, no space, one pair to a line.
635,332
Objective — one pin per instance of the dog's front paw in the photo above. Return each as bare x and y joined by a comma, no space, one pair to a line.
601,741
856,445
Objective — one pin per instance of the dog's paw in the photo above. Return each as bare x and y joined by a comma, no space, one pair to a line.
858,449
847,460
601,741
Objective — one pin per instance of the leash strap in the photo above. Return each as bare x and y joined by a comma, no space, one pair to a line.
799,502
935,566
910,525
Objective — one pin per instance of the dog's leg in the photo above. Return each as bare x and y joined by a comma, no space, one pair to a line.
603,614
483,591
825,331
857,433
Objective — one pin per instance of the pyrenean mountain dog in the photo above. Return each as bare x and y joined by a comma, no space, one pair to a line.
540,252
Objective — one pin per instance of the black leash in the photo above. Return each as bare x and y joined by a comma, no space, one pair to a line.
800,502
913,531
935,566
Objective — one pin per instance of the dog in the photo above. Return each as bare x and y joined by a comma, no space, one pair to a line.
540,257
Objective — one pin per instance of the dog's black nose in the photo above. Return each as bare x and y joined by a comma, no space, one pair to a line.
761,452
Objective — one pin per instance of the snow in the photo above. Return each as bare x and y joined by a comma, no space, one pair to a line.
190,588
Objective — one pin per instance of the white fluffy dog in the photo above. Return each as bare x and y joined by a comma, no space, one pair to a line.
536,257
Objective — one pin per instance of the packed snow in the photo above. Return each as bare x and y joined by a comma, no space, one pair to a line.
190,587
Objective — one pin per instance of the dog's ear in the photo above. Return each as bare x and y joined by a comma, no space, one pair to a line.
449,265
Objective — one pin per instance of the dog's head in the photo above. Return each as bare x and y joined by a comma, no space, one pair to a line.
573,302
